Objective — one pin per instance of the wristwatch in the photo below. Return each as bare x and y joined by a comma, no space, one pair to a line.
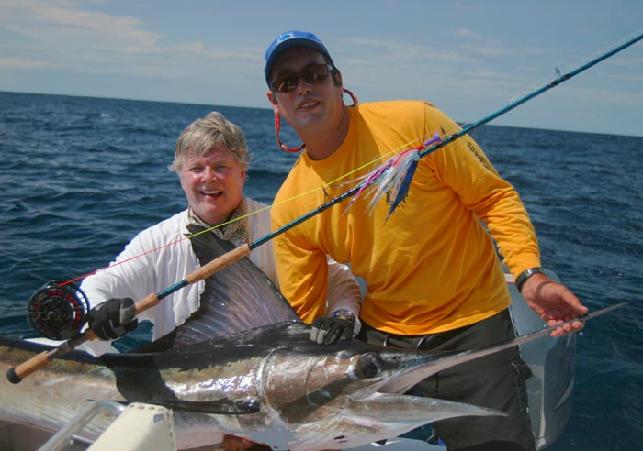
344,314
526,274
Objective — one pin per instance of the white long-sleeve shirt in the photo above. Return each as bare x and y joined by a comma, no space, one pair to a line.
159,264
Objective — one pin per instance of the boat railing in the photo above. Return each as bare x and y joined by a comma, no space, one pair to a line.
61,439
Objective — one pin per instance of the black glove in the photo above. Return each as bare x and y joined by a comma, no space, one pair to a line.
113,318
328,329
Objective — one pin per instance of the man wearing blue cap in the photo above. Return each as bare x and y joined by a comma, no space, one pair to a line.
433,278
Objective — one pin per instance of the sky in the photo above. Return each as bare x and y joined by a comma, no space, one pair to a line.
468,57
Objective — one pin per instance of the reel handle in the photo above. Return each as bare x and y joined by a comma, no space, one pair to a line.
37,362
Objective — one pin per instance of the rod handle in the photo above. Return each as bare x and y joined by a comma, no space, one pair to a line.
201,273
15,375
39,361
146,303
219,263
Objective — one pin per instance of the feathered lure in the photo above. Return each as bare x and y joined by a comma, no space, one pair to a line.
393,178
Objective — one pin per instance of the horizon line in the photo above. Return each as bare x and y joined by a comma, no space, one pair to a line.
460,123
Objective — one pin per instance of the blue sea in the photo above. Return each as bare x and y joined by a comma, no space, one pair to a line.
80,176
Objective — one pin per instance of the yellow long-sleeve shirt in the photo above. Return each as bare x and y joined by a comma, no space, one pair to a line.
431,266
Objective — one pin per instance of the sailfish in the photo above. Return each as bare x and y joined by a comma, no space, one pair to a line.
243,365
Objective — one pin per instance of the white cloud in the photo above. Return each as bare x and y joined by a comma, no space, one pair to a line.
487,50
21,63
55,23
465,33
370,49
63,33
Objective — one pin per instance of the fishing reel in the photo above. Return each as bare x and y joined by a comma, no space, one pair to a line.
58,311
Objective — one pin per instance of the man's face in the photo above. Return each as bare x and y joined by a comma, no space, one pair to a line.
310,106
213,184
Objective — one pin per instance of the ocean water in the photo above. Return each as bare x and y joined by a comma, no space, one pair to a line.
80,176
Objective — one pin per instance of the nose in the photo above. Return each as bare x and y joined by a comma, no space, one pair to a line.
209,173
303,86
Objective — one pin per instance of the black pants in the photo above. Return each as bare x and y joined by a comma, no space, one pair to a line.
496,381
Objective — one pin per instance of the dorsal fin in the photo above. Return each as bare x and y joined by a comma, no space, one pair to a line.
237,298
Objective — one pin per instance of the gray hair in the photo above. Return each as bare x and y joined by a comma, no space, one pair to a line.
207,132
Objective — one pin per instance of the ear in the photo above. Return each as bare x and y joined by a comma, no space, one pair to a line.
337,78
272,98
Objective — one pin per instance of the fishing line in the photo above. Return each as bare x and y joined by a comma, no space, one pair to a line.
466,129
560,79
450,138
236,219
71,300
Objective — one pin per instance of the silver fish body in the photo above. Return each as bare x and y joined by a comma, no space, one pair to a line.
270,384
243,365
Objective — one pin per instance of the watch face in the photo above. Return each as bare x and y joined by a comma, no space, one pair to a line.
344,314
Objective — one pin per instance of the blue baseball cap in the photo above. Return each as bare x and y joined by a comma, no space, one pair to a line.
288,40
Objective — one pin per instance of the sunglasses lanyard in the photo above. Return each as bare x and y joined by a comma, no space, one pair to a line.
283,146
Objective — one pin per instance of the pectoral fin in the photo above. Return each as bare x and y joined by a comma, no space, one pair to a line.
387,407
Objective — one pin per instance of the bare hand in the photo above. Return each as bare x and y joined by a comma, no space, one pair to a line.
554,303
235,443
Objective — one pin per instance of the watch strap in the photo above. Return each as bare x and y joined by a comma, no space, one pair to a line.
526,274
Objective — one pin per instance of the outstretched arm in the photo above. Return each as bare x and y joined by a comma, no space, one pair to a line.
554,303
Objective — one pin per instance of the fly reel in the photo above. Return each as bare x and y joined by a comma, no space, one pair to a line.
58,311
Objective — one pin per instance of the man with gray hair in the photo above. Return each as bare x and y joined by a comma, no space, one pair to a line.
211,160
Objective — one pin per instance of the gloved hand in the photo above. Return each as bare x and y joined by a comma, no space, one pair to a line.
329,329
113,318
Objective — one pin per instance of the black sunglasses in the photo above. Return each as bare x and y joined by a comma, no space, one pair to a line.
313,73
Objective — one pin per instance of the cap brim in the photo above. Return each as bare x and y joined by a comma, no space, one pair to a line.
289,44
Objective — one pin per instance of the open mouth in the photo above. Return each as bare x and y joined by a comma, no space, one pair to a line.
308,105
211,194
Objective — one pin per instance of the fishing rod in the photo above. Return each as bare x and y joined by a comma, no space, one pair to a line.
69,308
64,303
